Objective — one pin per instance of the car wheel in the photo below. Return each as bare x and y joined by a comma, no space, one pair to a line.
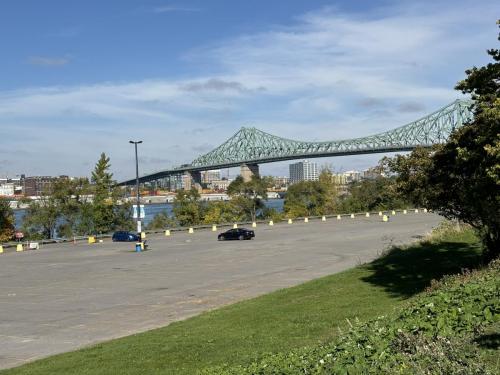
222,238
241,237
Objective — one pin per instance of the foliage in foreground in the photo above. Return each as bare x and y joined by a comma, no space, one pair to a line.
433,334
461,179
6,221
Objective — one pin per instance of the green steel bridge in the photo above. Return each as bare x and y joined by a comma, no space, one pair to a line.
250,147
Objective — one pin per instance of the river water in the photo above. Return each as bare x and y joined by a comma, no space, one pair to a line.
155,208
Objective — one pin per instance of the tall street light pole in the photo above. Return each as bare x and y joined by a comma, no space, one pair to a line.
135,143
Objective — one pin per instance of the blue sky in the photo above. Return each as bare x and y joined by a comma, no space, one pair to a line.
79,78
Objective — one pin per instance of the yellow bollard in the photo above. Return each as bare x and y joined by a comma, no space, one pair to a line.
339,217
385,218
405,212
19,247
191,230
91,239
380,213
214,228
290,221
143,235
167,233
393,213
1,249
367,214
306,220
323,218
254,225
416,210
235,226
352,216
271,223
425,210
142,245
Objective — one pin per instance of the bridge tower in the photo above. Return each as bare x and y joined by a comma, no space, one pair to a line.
249,170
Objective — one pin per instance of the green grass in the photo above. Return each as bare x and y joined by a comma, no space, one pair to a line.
304,315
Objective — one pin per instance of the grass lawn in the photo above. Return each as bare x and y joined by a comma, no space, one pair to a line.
304,315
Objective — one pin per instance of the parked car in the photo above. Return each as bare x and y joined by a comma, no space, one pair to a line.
237,234
124,236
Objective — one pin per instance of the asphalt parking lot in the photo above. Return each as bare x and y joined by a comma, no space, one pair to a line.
65,296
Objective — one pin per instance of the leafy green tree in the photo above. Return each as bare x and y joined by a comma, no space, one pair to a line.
312,198
6,221
42,217
160,221
248,197
461,179
187,208
103,201
222,212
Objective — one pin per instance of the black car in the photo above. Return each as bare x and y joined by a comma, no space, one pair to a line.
237,234
124,236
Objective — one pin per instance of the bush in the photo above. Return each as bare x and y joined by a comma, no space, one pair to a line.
432,334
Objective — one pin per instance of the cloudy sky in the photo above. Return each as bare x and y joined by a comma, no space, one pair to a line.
78,78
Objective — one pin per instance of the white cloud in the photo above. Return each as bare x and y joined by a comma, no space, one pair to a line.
330,75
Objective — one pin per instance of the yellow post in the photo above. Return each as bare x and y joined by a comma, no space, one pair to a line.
254,225
214,228
339,217
352,216
393,213
271,223
367,214
143,235
19,247
425,210
235,225
91,239
167,232
416,210
323,218
191,230
380,213
405,212
290,221
385,218
306,220
142,245
1,249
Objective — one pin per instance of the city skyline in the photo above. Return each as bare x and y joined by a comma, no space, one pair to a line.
75,85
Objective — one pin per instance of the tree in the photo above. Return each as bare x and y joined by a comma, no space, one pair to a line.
222,212
461,179
187,208
248,197
103,202
160,221
6,221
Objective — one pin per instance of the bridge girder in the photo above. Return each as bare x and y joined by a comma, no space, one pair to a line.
253,146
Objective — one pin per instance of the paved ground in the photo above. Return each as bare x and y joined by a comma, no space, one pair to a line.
66,296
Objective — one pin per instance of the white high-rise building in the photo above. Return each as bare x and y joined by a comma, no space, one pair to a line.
303,171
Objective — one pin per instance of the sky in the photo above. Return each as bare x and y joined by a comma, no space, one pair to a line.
78,78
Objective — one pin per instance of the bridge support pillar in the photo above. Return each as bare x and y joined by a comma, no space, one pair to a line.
249,170
192,180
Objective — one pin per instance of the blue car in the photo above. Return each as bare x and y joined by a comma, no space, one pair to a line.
124,236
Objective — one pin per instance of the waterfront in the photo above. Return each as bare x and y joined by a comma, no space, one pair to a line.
155,208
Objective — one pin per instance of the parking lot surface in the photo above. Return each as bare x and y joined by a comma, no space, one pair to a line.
64,296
